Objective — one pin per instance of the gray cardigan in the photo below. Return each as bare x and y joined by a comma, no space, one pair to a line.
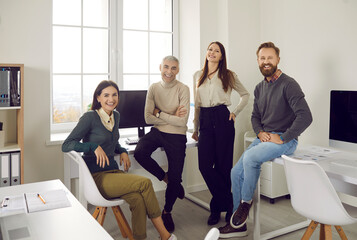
92,132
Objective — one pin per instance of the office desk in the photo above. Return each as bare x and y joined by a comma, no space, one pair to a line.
160,156
71,168
344,179
73,222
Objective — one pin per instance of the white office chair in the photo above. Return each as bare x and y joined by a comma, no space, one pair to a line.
213,234
314,197
94,197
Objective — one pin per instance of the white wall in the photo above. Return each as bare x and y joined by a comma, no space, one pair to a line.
25,35
318,48
189,63
317,41
244,37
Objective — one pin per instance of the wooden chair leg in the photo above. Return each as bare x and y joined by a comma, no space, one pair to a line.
325,232
322,232
96,213
328,232
122,223
118,216
101,215
310,230
341,232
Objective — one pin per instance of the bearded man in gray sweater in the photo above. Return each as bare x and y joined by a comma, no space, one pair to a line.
280,114
166,107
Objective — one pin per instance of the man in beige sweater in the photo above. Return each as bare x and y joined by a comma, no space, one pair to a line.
167,105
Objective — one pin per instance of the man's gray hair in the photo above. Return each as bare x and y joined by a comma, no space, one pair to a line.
170,58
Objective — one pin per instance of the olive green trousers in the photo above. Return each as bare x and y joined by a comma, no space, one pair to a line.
136,190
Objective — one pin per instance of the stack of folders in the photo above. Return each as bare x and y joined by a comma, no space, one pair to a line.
10,88
34,202
10,168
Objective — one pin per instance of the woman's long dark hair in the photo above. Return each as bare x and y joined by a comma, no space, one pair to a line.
103,84
224,74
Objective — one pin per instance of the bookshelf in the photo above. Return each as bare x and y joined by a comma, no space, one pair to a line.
13,119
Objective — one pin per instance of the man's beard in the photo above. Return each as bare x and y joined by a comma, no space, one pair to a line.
268,72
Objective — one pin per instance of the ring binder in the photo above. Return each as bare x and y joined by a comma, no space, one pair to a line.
15,168
5,169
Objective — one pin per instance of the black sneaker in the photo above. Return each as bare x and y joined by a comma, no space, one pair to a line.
228,232
214,218
168,222
240,216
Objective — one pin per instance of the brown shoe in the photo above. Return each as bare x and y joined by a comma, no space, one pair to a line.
240,216
228,232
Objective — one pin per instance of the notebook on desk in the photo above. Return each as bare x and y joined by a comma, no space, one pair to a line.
41,201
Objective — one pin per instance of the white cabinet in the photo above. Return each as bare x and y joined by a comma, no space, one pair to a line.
12,118
272,175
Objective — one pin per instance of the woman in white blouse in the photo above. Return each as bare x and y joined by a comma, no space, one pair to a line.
214,127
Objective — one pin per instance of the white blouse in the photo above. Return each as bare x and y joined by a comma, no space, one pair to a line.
108,121
211,94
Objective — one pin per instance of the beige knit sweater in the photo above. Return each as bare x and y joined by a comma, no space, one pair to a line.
168,97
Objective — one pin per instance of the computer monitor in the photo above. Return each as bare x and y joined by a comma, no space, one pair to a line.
343,120
131,108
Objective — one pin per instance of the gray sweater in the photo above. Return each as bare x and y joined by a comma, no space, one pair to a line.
280,106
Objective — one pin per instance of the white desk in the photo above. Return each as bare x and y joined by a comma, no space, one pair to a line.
344,180
73,222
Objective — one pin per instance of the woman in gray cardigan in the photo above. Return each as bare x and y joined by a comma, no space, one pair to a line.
97,135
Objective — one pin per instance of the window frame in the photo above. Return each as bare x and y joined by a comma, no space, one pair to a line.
115,53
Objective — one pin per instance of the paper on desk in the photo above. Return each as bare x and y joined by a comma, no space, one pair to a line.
315,153
320,150
309,156
12,205
54,199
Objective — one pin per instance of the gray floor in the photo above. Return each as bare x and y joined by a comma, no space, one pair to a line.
190,220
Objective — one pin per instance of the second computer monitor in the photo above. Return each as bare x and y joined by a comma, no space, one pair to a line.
131,108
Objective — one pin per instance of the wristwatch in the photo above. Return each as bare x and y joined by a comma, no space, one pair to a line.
158,114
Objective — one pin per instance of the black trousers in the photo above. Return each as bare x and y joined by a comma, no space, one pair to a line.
215,155
175,148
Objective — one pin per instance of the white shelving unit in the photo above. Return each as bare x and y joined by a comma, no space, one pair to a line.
272,176
13,119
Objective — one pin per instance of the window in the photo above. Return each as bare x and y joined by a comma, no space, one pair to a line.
147,37
95,40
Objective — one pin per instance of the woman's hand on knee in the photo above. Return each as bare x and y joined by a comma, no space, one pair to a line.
102,158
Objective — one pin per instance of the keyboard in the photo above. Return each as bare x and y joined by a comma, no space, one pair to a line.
345,163
132,141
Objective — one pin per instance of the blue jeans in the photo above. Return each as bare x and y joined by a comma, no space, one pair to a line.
246,172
